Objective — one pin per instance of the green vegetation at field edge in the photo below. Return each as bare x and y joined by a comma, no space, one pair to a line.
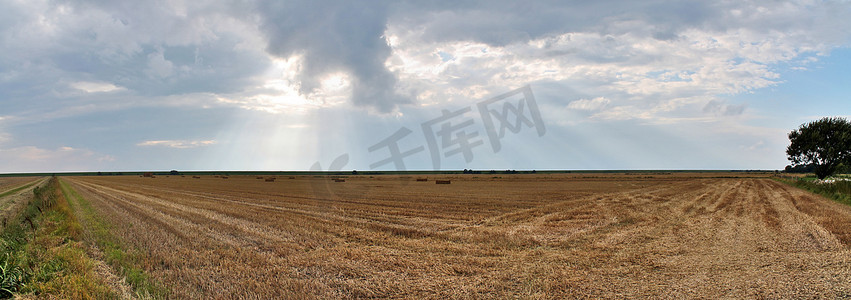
43,255
128,262
838,190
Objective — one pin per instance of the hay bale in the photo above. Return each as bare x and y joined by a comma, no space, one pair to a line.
339,180
422,179
196,177
442,181
271,179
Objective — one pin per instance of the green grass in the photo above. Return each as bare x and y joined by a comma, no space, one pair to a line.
127,261
839,191
42,258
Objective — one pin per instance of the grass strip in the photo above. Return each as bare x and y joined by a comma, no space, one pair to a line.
42,258
128,262
839,191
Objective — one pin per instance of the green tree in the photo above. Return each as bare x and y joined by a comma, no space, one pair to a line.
826,144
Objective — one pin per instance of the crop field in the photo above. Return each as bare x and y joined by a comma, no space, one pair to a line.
13,191
705,235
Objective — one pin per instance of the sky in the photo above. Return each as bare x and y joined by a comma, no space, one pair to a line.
415,85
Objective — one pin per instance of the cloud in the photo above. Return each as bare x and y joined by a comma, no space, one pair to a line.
36,159
178,144
642,54
158,66
717,107
143,54
756,146
591,105
654,59
335,37
95,87
308,62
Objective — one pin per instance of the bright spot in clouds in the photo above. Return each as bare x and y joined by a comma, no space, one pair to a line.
94,87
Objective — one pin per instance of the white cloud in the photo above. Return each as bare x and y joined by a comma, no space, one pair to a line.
178,144
626,70
63,56
158,65
643,66
106,158
35,159
718,108
95,87
590,105
756,146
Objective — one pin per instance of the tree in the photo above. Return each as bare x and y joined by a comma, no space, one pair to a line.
826,144
808,168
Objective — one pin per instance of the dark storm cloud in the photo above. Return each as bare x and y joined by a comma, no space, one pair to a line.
342,36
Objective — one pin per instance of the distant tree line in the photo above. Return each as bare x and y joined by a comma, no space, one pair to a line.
800,169
108,173
497,172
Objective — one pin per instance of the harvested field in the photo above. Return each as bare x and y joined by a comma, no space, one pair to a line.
10,183
483,236
14,191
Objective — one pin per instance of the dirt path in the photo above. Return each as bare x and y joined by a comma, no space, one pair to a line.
623,237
